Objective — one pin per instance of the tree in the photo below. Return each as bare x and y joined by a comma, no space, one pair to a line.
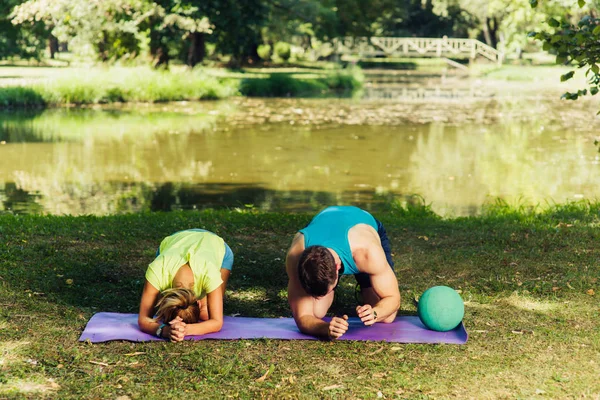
109,27
117,28
18,42
575,43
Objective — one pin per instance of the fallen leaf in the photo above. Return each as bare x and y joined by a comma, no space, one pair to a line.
99,363
53,384
332,387
379,350
590,292
480,331
137,353
522,331
425,238
555,288
69,281
269,371
396,348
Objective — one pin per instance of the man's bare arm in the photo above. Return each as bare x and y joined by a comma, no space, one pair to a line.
302,304
383,282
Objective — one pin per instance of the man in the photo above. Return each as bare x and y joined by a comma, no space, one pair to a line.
340,240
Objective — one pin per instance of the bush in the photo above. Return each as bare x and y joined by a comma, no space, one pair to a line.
264,52
18,96
283,50
340,82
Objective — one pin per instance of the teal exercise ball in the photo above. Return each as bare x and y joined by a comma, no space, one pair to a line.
441,308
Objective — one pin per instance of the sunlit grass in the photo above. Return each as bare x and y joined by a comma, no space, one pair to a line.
79,86
116,84
530,284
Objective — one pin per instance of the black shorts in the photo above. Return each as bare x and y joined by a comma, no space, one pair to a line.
363,279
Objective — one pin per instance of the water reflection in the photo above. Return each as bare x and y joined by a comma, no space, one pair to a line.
198,156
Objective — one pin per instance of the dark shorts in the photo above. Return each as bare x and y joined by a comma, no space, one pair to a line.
363,279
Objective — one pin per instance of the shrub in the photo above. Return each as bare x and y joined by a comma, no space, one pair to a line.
283,50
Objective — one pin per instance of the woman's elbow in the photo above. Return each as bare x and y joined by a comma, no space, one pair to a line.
217,325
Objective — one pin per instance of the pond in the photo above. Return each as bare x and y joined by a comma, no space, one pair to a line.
456,151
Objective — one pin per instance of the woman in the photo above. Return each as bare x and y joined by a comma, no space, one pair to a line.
186,283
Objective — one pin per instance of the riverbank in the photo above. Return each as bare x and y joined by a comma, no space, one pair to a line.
529,280
51,87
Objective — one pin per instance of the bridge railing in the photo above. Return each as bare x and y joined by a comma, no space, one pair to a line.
426,47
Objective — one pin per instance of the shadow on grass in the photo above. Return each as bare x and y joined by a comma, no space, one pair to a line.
98,263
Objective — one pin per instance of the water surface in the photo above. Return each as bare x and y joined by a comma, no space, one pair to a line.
456,152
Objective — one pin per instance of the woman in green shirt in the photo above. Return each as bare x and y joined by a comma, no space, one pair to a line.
184,286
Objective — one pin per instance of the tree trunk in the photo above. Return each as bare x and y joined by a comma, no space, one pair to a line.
253,57
102,51
197,50
52,45
492,31
160,55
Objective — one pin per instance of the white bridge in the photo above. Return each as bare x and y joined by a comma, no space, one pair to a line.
365,47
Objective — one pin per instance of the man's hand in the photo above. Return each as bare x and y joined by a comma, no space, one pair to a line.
337,327
177,330
366,314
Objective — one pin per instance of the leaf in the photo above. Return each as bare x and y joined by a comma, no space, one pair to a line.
99,363
567,76
590,292
595,69
581,3
269,371
553,23
137,353
596,30
332,387
533,3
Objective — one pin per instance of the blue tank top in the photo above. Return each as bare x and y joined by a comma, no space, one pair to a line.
330,229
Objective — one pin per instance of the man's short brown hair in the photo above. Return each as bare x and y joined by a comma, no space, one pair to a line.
316,270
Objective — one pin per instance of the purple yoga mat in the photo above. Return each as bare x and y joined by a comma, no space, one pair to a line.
105,326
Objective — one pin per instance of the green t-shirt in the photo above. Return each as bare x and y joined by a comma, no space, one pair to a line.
203,251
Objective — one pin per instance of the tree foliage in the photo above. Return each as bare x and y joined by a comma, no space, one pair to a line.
233,30
575,41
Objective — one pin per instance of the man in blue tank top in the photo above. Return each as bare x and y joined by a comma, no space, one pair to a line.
340,240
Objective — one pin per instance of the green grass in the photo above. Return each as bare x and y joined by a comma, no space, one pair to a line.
22,88
100,86
529,279
342,82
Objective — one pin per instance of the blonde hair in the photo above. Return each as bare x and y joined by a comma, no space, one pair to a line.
178,302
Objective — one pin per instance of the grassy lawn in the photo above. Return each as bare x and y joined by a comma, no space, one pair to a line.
22,86
529,281
45,86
